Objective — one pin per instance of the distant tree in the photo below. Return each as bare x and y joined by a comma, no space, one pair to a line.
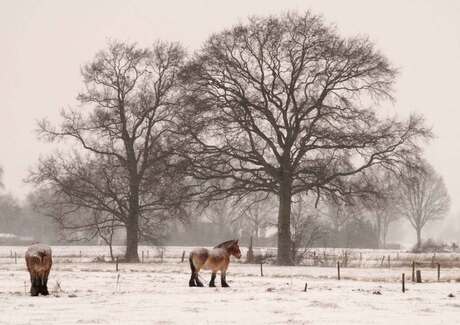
280,105
222,214
346,218
379,204
1,177
256,214
125,166
306,228
73,222
423,197
10,214
384,207
338,213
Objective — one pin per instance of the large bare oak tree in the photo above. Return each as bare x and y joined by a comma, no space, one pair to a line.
123,165
285,105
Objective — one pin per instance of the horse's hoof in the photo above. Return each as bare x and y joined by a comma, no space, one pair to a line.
34,291
212,285
191,284
225,285
199,284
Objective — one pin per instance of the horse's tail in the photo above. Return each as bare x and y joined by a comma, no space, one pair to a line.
192,267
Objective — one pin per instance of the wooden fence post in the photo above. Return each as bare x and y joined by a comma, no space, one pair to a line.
338,270
419,276
116,264
261,269
413,271
439,272
183,257
403,281
306,285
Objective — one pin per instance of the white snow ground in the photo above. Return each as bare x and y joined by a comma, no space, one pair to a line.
155,293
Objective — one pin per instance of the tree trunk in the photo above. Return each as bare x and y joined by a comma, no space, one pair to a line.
132,228
386,226
284,225
379,231
419,238
111,251
132,241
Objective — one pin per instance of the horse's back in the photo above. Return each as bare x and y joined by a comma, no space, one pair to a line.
38,250
38,258
199,256
199,252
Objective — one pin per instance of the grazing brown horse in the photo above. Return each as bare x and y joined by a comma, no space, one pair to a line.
39,261
216,259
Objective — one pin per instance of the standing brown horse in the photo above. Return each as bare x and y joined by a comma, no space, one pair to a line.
216,259
39,261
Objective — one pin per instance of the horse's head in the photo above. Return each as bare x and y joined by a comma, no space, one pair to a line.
234,249
231,247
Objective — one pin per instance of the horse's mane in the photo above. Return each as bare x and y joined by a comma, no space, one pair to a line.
226,244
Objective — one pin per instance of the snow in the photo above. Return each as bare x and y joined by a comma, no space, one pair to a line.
38,250
7,235
84,292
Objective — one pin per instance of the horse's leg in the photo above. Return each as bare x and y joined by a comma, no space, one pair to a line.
198,282
46,281
213,278
44,289
191,282
223,274
35,285
194,275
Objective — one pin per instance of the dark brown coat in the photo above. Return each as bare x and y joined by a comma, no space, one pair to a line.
216,259
39,261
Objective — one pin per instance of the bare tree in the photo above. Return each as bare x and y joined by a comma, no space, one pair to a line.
277,105
256,214
222,214
345,215
10,214
381,204
423,197
122,130
75,223
306,228
339,213
106,229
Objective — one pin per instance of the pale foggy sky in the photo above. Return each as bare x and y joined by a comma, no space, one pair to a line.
44,43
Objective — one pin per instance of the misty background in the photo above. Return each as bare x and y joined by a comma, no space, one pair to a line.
45,44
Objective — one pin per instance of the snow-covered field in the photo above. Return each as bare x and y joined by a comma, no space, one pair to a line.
84,292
